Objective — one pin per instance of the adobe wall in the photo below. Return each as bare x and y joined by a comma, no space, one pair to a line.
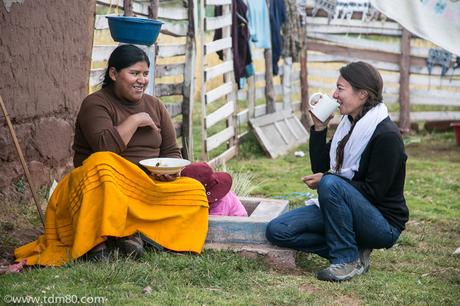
45,57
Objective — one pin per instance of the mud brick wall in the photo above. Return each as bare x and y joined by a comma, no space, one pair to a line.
45,58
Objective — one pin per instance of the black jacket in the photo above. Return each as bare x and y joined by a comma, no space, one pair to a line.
382,170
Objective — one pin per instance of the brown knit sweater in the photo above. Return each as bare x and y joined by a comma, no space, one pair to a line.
95,128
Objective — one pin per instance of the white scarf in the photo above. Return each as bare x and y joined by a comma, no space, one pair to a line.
358,140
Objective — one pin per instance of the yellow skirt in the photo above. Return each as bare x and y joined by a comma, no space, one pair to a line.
110,196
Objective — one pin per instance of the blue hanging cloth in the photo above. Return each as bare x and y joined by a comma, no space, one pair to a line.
277,18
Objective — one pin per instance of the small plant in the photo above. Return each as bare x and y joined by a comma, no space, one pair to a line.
242,183
20,185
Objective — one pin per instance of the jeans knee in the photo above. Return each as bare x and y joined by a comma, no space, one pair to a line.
329,186
275,231
328,182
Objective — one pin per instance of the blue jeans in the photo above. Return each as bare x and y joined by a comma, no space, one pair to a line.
345,221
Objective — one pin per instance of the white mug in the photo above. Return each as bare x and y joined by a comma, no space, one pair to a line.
322,106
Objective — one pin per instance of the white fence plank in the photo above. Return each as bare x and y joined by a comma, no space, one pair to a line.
174,29
219,138
218,2
220,114
102,52
218,70
429,116
174,13
218,92
217,45
225,156
213,23
169,69
96,76
170,50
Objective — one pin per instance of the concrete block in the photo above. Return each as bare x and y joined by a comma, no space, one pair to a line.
246,230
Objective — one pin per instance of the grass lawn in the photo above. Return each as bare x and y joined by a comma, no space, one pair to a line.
419,269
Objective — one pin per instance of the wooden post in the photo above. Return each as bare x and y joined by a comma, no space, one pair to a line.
404,71
202,34
287,82
152,50
189,71
153,9
230,77
251,97
128,7
269,90
305,117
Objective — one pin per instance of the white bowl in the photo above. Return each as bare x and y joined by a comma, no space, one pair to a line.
164,165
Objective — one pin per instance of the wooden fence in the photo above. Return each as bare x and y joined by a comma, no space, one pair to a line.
218,103
225,111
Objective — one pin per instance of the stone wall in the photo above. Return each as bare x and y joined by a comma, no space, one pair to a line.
45,58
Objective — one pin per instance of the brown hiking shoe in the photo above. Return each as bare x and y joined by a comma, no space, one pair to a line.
131,246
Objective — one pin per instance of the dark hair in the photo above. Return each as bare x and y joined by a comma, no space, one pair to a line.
361,76
124,56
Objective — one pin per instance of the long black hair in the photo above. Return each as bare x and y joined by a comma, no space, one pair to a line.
361,76
124,56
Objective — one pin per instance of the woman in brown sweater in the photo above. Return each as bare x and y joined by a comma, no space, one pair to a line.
108,198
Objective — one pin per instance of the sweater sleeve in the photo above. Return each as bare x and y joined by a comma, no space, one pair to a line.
97,125
169,147
319,151
386,159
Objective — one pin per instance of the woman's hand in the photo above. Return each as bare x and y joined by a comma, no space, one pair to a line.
128,127
144,119
312,181
319,126
165,177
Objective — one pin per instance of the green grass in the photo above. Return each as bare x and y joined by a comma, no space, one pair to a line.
419,270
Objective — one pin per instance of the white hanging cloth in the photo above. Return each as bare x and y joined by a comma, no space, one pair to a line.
434,20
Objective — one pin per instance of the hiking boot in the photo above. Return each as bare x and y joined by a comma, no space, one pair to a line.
341,272
98,253
365,258
131,246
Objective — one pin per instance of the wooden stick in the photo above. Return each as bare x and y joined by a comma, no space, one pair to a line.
23,161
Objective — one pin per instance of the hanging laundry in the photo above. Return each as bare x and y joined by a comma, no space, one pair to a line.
438,57
240,39
277,18
329,6
433,20
302,10
259,23
292,31
344,9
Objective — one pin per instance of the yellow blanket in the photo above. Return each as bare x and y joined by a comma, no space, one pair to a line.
110,196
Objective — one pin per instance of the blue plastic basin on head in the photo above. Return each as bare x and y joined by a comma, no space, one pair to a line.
133,30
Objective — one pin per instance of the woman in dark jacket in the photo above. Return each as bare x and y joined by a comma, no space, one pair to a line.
359,176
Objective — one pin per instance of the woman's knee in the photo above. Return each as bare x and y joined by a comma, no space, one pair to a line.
276,231
329,186
329,182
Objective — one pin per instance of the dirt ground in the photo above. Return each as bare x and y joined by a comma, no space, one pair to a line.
19,223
